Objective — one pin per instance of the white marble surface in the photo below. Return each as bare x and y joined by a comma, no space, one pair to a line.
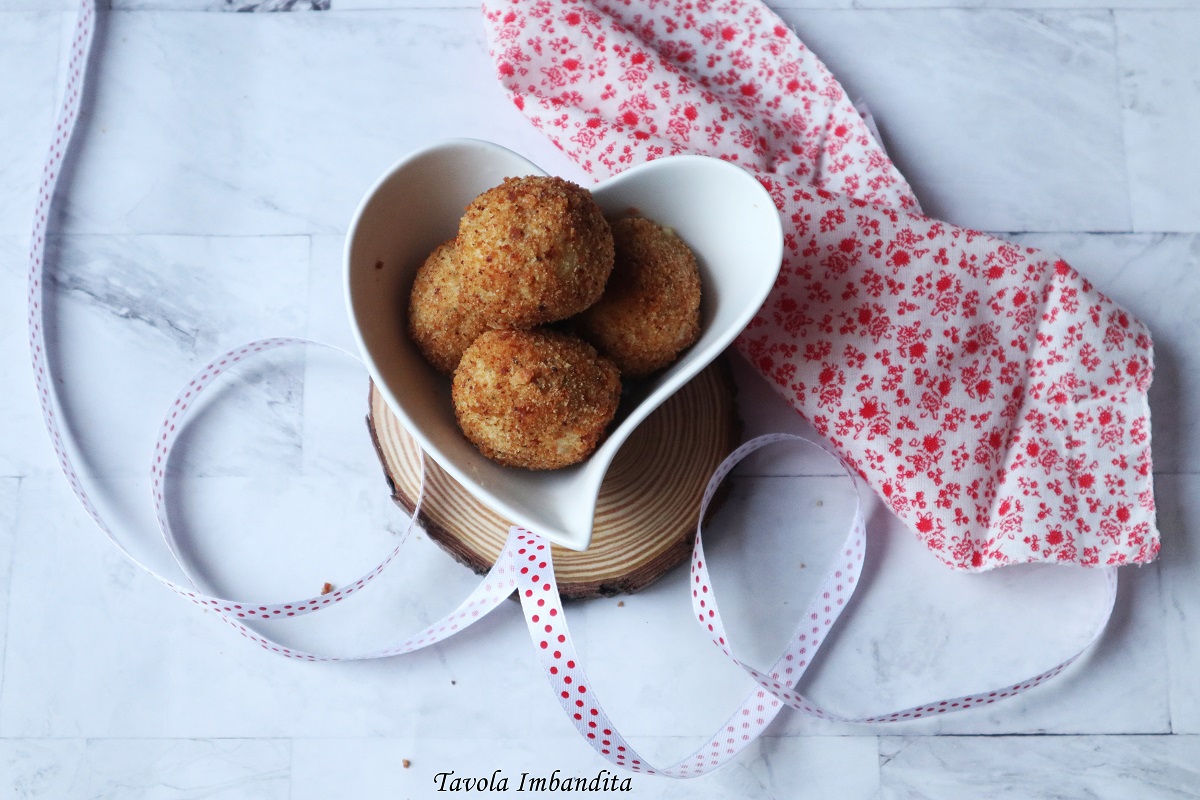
215,174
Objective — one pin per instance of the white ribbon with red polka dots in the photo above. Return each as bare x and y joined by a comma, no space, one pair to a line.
524,565
496,586
548,628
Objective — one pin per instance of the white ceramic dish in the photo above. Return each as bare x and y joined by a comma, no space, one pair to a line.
722,212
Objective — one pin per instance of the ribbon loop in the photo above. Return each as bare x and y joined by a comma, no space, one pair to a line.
776,686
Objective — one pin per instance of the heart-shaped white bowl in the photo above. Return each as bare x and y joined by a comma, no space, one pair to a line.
721,211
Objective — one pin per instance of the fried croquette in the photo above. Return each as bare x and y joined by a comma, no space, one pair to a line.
536,399
439,321
534,250
650,310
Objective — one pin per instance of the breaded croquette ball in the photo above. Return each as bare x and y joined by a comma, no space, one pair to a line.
650,310
439,321
536,399
534,250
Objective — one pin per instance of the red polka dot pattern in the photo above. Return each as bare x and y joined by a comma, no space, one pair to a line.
169,431
776,688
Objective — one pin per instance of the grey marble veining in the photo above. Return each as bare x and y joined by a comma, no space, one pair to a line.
175,302
1179,515
184,674
270,5
12,6
8,511
771,768
1063,767
147,769
266,168
27,447
1161,116
1018,125
895,5
29,48
914,633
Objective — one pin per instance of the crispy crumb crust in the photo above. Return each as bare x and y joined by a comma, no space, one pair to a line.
535,399
439,321
650,311
530,251
534,250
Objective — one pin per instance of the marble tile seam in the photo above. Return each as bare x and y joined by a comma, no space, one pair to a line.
322,232
1032,735
166,6
766,737
77,235
131,739
1161,232
7,585
1120,67
756,474
337,235
844,5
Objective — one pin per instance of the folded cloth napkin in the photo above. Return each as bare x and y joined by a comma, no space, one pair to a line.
989,393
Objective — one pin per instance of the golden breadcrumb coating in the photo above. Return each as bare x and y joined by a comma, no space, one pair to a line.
650,311
536,399
439,321
534,250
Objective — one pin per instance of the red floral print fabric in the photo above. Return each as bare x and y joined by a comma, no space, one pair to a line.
987,392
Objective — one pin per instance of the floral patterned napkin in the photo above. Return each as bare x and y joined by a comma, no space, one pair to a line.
987,392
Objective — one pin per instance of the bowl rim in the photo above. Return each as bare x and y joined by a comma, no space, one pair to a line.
591,470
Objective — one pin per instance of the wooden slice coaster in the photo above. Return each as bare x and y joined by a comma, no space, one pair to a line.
648,507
